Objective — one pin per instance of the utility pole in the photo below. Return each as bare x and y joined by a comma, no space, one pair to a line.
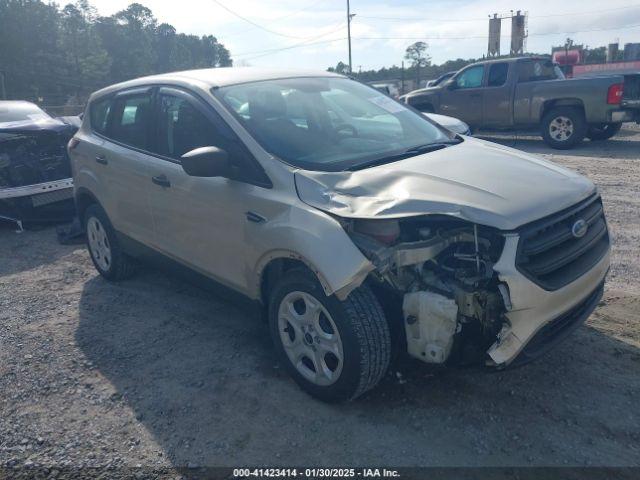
349,17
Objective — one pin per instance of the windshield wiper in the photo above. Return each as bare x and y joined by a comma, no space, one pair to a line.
408,153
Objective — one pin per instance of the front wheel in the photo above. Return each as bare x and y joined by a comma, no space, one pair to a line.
603,131
335,350
563,127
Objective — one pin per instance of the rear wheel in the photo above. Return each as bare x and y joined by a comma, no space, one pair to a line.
335,350
104,249
563,127
603,131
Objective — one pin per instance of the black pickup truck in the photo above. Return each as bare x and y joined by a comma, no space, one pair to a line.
531,92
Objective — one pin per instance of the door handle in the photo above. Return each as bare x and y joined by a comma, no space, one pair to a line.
475,95
161,180
101,159
255,218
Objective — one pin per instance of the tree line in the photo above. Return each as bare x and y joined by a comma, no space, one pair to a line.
50,54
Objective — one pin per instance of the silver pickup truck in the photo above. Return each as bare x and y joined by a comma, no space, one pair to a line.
531,92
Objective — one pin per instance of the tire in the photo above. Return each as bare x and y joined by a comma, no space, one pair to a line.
603,131
106,254
350,342
563,127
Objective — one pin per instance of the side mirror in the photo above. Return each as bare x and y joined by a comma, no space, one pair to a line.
206,162
452,85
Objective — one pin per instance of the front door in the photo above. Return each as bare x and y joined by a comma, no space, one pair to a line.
199,221
462,97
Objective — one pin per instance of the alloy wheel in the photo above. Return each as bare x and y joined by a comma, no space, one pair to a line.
310,338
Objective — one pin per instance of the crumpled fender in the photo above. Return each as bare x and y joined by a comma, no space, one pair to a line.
319,241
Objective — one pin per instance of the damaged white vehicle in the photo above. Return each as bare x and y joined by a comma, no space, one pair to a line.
360,225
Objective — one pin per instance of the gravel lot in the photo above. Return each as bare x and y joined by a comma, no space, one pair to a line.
154,372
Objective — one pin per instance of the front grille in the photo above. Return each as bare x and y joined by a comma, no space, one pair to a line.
550,255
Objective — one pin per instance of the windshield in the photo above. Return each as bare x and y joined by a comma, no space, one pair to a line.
329,124
20,112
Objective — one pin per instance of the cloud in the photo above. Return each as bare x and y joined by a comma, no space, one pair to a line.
453,29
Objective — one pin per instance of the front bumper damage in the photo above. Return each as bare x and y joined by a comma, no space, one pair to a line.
533,308
488,312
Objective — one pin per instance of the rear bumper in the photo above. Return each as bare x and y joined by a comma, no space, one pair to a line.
625,115
537,311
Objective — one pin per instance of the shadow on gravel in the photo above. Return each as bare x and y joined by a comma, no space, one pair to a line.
615,147
13,246
201,376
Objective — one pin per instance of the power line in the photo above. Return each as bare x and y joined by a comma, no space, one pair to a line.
257,25
275,20
287,47
273,51
484,19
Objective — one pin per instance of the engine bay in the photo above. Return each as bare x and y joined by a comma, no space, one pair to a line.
440,271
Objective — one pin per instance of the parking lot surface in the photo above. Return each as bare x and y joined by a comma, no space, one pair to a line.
154,372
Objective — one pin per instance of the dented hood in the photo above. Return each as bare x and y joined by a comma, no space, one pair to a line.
475,180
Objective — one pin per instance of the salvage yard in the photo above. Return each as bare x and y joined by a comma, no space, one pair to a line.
154,372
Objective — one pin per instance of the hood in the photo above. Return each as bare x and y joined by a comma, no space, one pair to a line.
450,123
45,124
478,181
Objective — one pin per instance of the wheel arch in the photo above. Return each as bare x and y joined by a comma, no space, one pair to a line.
275,264
548,105
83,199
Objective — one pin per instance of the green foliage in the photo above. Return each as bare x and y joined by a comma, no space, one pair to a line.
50,54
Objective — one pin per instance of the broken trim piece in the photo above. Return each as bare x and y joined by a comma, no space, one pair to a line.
27,191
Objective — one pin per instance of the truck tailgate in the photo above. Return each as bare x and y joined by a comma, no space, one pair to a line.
631,93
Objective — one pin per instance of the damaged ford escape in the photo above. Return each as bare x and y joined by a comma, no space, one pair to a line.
362,228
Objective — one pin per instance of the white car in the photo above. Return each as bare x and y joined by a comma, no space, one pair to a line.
450,123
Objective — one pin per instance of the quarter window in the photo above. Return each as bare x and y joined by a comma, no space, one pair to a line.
99,114
131,119
498,74
471,78
538,70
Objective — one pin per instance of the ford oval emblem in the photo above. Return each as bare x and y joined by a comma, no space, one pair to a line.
579,228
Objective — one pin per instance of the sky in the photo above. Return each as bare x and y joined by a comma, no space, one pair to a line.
312,33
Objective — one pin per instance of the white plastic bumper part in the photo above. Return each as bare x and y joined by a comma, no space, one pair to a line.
533,307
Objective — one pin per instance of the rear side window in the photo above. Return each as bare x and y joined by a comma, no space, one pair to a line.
535,71
498,74
99,113
131,120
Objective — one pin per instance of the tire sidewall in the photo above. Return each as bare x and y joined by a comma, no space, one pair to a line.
344,388
97,212
579,127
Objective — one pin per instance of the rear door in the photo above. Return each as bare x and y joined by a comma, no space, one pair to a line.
497,96
463,97
123,127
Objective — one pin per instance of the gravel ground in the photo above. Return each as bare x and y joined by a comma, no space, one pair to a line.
154,372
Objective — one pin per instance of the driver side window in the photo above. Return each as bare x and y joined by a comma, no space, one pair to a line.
471,78
182,128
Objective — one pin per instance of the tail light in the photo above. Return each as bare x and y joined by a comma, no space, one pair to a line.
614,95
